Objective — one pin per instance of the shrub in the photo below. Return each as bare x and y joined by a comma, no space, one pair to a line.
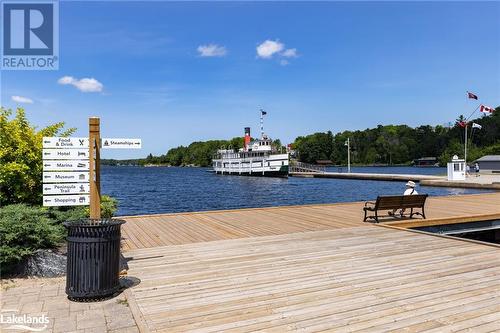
21,157
24,229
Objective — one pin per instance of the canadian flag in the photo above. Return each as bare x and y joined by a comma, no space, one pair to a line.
486,109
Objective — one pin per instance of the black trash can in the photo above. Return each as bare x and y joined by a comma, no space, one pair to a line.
93,263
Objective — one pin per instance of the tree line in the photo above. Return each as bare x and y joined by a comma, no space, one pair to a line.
384,144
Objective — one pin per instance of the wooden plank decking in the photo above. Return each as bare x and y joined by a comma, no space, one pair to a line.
368,278
184,228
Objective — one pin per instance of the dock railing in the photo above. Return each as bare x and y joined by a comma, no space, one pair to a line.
296,166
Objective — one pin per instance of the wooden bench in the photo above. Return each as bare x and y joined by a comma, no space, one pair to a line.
394,202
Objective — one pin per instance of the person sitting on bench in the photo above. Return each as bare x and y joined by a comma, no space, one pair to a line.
410,190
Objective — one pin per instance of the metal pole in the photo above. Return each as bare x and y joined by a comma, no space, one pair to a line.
465,149
94,167
261,123
348,155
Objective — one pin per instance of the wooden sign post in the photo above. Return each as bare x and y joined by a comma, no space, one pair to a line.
94,167
66,161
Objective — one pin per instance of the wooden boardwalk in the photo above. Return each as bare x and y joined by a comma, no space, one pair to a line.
183,228
312,268
354,279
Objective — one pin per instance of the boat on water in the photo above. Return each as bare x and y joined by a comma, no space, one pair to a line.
258,157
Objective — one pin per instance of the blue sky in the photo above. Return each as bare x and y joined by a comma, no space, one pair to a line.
176,72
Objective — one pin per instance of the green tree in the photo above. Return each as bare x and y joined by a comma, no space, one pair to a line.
21,157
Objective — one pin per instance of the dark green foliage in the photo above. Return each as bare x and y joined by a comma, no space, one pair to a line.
24,229
401,144
317,146
21,157
196,154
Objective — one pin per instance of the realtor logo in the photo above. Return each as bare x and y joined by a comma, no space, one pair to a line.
30,35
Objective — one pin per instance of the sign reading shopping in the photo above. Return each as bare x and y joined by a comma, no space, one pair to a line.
30,35
71,167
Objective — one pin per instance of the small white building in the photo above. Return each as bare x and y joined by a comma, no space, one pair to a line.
456,169
489,164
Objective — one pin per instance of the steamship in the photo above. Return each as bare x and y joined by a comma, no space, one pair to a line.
257,158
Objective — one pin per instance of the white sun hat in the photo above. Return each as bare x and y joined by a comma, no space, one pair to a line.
410,183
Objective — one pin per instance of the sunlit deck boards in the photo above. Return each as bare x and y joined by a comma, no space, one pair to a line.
184,228
365,278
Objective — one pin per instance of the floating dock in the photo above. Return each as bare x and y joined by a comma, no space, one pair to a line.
366,176
493,182
312,268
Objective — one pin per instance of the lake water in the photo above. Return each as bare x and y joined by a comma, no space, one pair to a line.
165,190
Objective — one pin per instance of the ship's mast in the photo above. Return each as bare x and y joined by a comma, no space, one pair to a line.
262,113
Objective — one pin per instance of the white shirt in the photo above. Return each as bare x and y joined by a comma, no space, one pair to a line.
410,191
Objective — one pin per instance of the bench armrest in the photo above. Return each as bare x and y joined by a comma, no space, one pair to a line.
369,203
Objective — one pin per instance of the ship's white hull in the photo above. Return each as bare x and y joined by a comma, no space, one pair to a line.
270,165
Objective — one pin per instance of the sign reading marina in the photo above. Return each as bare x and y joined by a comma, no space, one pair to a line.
118,143
75,165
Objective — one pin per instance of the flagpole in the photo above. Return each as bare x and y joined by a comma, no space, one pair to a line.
465,152
348,155
261,123
477,107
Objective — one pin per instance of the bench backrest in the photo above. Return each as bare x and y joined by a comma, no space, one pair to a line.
400,201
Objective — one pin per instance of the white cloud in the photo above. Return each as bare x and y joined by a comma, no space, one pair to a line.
21,99
289,53
268,48
84,85
212,50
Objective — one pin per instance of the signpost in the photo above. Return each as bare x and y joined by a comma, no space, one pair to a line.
95,174
71,168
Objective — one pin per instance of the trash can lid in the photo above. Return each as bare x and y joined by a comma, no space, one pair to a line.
93,222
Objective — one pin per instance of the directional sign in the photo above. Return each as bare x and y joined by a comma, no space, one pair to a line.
118,143
60,142
66,177
65,165
65,154
70,188
66,200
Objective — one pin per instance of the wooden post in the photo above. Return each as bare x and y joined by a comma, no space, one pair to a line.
94,167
